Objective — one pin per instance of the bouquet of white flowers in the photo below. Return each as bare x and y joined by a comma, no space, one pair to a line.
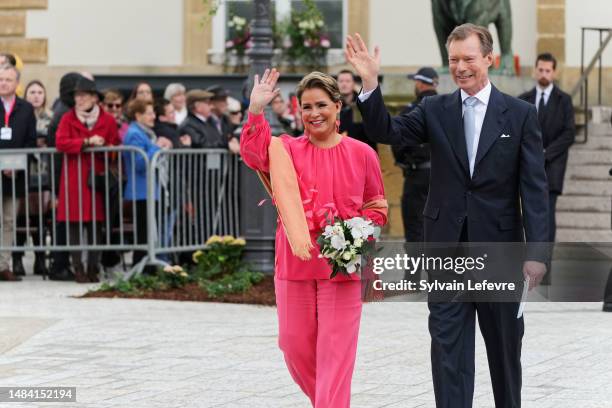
345,243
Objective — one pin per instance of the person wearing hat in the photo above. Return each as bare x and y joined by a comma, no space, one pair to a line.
198,125
219,117
85,125
59,269
18,131
415,164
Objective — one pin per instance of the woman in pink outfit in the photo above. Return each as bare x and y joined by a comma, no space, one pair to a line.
336,176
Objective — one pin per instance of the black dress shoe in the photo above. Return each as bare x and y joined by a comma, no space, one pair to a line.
18,269
63,274
607,307
39,266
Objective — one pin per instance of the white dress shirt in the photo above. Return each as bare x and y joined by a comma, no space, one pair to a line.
180,115
480,109
8,103
546,92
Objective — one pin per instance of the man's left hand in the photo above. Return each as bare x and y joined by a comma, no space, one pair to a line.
535,271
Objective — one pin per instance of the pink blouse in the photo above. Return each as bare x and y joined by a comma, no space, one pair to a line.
335,181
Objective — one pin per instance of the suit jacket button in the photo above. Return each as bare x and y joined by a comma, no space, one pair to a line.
460,220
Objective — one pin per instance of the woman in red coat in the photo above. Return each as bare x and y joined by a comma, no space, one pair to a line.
86,125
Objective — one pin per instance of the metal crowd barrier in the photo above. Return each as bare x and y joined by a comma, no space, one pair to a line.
191,194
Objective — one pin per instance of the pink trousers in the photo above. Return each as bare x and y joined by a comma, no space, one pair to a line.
318,324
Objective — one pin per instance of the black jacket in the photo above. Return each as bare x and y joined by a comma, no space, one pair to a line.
352,124
407,156
169,131
203,134
506,199
558,133
23,124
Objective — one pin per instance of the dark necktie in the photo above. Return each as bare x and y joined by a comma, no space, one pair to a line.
212,121
541,109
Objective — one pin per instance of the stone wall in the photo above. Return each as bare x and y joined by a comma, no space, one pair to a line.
13,30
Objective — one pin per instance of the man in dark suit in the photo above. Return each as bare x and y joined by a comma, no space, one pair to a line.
414,162
18,131
350,117
487,185
556,117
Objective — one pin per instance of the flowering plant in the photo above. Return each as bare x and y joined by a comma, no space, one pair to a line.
345,242
219,269
240,41
175,276
306,40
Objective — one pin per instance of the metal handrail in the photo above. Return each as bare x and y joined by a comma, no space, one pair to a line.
583,82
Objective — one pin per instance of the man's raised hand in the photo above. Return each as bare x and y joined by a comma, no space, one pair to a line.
264,91
366,65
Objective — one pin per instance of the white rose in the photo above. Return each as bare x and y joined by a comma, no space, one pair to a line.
347,256
338,242
358,243
357,233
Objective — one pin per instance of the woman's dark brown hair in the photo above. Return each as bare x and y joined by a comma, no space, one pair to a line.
135,90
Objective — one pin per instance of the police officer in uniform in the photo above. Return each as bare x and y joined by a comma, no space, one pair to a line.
414,161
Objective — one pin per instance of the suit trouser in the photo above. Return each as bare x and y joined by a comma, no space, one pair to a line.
452,329
318,324
552,223
8,221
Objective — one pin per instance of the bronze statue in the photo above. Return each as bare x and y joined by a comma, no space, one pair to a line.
448,14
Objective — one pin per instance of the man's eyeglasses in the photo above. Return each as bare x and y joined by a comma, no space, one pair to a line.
114,105
235,113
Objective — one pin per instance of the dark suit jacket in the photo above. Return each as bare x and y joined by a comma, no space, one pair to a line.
351,123
23,124
508,173
203,134
558,133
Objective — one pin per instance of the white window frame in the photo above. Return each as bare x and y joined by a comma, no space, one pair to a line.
283,9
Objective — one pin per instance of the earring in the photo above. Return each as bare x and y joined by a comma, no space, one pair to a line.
337,125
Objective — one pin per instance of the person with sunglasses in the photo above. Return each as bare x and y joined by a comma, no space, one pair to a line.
113,104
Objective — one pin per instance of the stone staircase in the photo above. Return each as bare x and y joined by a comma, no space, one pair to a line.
583,211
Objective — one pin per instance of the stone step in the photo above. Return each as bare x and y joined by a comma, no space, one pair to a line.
589,172
584,220
583,235
597,129
590,157
590,204
588,188
594,143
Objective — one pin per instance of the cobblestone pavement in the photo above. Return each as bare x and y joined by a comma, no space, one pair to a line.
141,353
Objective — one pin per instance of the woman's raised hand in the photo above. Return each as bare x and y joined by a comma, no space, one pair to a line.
264,90
367,65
